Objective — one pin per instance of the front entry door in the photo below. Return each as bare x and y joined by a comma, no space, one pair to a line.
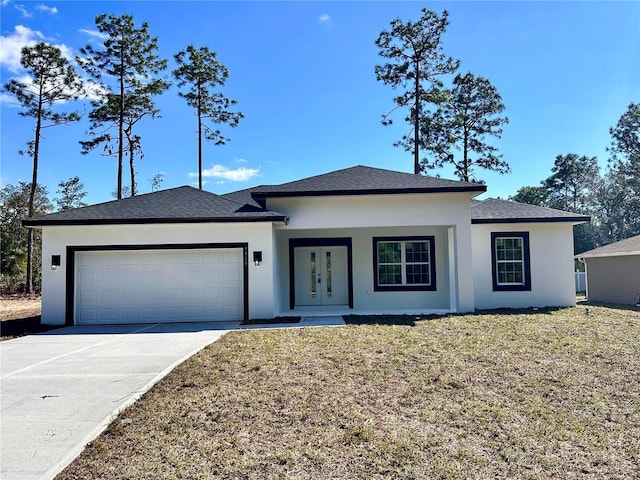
321,275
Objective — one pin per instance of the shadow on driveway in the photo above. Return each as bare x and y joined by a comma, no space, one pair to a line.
23,326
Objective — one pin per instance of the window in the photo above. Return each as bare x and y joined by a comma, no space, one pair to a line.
511,266
404,263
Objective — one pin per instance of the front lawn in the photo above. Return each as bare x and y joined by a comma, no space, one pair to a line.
546,394
20,315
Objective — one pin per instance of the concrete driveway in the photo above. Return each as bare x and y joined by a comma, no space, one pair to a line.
59,390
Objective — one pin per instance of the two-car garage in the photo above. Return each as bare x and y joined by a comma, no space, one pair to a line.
151,284
175,255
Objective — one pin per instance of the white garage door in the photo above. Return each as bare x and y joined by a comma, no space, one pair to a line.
148,286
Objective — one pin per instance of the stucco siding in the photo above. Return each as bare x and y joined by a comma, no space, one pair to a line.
445,215
614,279
56,239
551,263
374,210
365,298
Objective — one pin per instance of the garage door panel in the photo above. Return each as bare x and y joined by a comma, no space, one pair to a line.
232,311
159,285
89,297
129,295
232,257
108,315
88,279
230,278
129,315
87,315
107,297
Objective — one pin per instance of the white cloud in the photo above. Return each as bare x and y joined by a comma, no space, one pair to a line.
93,90
11,46
324,17
11,50
27,81
4,3
49,10
195,184
9,100
241,174
94,33
25,13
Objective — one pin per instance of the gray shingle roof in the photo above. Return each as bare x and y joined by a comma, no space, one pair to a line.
628,246
493,210
176,205
245,196
190,205
361,180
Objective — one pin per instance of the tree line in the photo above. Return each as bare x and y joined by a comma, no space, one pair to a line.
612,197
16,202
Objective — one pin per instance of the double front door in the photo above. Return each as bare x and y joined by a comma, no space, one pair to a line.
321,276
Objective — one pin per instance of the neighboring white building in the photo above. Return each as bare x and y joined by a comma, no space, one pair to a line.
358,240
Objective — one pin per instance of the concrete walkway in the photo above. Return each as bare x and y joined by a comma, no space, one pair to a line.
61,389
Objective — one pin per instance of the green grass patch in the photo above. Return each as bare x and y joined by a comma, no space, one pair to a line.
548,394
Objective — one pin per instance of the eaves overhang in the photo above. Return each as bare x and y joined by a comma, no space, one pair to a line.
380,191
150,221
574,219
606,255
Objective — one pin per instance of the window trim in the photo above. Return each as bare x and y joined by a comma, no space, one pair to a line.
526,286
432,286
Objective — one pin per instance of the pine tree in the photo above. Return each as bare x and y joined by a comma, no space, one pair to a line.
71,194
416,63
128,56
200,70
462,123
51,81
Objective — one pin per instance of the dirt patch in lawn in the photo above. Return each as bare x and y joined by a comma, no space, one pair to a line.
20,315
552,394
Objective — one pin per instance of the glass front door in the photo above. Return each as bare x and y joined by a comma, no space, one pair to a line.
321,275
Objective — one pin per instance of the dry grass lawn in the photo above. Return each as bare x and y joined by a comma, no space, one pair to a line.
527,395
13,307
19,316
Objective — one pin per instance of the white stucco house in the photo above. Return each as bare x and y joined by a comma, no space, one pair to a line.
357,240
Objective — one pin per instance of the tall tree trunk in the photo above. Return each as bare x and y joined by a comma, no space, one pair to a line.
199,150
132,170
465,153
121,124
199,139
32,197
32,193
416,123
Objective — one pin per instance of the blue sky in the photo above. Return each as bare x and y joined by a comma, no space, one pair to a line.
303,75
